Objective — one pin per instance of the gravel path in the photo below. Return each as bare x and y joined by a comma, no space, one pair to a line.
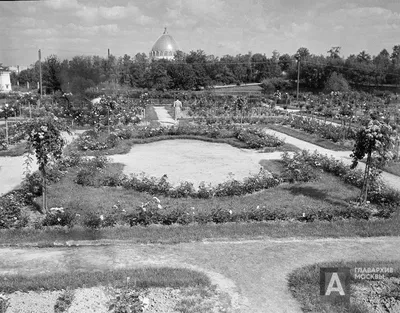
12,169
164,117
392,180
254,272
191,160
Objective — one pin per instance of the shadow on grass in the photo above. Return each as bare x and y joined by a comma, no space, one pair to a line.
317,194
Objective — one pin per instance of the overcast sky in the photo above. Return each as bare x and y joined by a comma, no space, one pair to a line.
89,27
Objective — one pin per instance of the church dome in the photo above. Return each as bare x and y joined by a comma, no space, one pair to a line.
165,47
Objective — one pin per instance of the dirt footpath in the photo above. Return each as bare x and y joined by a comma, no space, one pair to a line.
253,272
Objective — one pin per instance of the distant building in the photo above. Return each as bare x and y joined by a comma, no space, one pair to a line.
17,69
164,48
5,82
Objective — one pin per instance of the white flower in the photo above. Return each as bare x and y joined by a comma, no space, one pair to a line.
59,219
144,209
146,302
158,200
102,217
230,212
159,206
304,214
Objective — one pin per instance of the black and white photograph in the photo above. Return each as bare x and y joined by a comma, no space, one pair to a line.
200,156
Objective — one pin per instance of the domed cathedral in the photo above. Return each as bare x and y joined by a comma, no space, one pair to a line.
164,48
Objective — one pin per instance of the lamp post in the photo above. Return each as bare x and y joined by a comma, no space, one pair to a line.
297,57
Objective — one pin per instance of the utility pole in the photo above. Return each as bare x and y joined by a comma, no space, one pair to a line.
298,77
40,74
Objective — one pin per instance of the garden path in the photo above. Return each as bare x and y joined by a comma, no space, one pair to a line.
390,179
164,117
253,272
12,169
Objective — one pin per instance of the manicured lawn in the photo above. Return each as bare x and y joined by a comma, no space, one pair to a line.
143,278
324,193
304,284
198,232
14,150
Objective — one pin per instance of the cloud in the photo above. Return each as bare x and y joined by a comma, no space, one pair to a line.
61,4
40,32
92,14
215,11
108,29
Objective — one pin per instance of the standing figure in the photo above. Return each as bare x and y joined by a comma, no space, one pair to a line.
177,106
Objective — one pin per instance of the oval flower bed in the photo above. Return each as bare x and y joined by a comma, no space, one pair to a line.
250,137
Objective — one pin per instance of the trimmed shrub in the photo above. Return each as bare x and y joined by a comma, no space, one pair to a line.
60,218
10,210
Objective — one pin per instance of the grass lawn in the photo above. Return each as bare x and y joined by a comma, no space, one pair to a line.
14,150
143,278
326,193
304,284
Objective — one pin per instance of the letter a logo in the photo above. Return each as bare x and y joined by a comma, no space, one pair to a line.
334,285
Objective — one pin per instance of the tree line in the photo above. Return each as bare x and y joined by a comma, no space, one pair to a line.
195,70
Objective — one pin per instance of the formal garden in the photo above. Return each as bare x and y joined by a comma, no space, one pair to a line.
250,182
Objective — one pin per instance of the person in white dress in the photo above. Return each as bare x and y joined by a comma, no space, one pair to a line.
178,107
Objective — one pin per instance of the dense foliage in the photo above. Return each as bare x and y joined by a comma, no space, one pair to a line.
196,69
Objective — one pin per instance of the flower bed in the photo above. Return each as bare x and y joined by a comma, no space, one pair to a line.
252,137
314,126
387,198
91,174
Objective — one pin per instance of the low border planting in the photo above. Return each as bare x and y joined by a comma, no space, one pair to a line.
302,166
141,278
249,137
161,186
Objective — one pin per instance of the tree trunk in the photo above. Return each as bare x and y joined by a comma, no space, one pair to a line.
364,191
108,119
6,131
44,191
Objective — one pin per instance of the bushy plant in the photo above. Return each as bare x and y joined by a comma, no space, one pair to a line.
92,220
379,192
183,190
4,303
33,184
59,217
126,301
64,301
147,214
11,206
297,169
